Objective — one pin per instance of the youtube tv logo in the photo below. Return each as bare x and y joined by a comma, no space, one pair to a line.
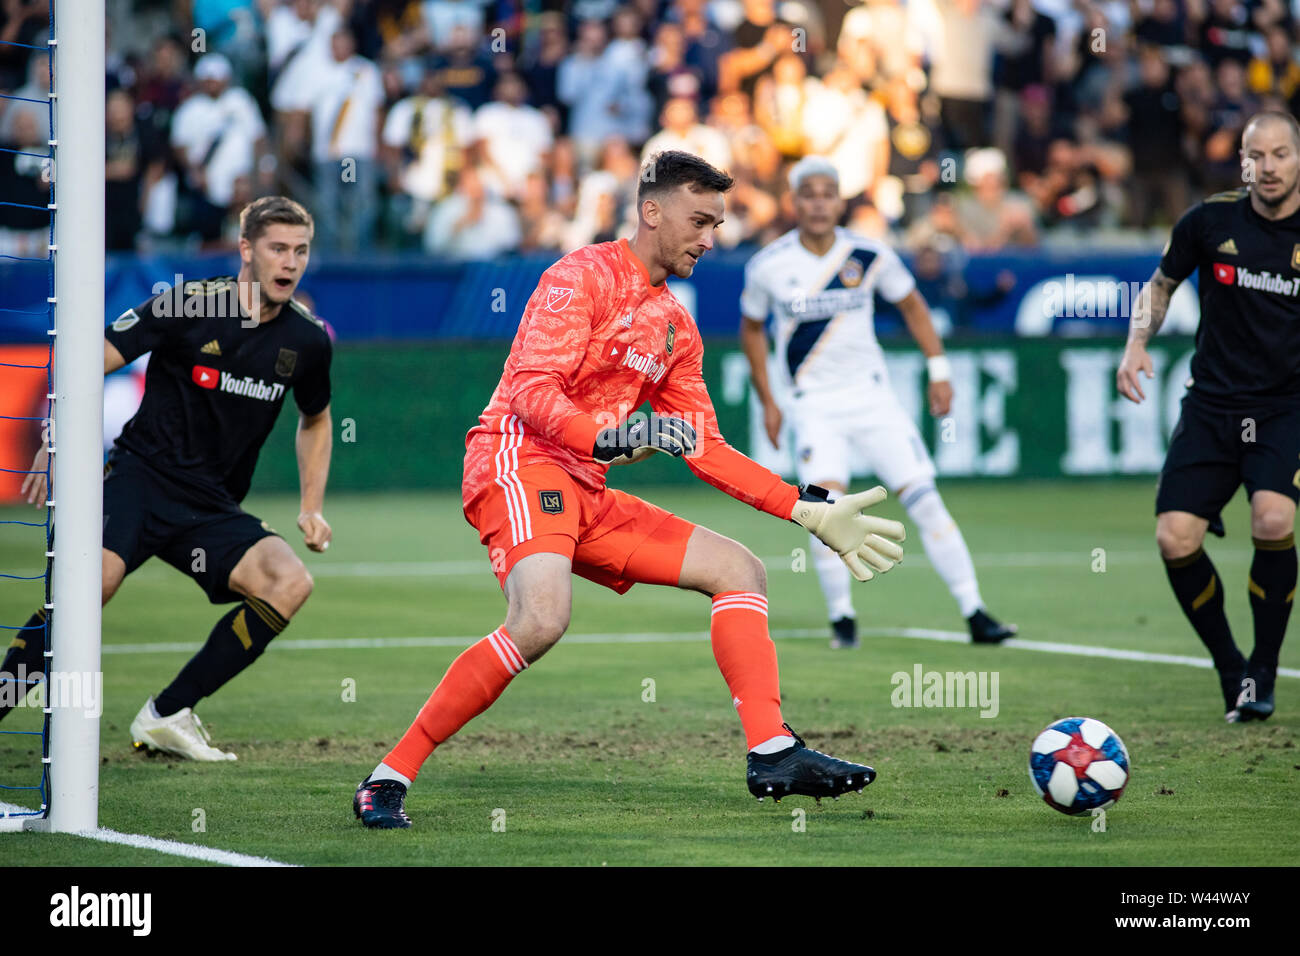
205,377
1225,273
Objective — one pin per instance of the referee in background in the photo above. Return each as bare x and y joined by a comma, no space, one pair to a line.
1240,419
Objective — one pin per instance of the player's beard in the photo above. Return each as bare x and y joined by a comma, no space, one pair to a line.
1282,196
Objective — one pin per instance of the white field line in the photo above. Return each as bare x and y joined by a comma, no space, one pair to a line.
1082,559
681,637
171,847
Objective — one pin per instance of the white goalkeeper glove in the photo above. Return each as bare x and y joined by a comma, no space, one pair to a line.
863,542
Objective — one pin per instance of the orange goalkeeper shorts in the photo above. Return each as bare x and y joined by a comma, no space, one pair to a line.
612,538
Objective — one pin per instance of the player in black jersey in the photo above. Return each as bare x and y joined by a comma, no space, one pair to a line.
224,354
1240,420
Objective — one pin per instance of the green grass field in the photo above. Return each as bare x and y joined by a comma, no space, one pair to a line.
581,769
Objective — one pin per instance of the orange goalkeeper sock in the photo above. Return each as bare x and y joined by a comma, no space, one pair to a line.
473,681
747,658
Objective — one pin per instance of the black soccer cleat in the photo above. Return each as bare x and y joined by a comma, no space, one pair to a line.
381,805
1261,709
1230,682
844,633
986,629
798,769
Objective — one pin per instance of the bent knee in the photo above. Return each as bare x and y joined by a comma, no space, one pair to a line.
537,631
1272,525
1177,542
741,570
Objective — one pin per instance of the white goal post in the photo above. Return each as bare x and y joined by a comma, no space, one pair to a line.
77,145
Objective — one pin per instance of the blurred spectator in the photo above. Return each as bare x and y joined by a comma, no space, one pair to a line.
424,140
21,22
915,140
218,135
759,40
298,36
589,84
849,128
448,18
345,121
780,103
540,63
705,43
1034,134
1025,60
1277,70
37,89
670,75
472,223
1158,186
1225,33
879,43
992,217
1233,106
683,130
24,189
542,224
133,163
961,72
514,139
464,71
389,29
626,55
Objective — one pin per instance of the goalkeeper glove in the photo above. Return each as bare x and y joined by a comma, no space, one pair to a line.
859,540
620,446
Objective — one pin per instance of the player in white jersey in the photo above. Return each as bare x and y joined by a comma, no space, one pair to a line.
817,282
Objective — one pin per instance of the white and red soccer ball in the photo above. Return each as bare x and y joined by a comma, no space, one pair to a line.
1078,765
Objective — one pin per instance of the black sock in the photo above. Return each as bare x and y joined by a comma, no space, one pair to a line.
28,652
1199,591
238,639
1272,591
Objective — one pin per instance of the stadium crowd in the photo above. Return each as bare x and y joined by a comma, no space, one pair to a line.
471,128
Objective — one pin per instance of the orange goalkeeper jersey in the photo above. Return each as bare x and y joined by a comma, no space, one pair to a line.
595,342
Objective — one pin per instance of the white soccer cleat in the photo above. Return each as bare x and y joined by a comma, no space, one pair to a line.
181,733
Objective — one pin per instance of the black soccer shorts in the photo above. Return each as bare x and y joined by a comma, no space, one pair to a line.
1212,452
146,514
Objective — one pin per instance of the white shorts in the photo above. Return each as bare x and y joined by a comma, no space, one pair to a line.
839,436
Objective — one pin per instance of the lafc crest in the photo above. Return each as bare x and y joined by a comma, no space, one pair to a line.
1295,257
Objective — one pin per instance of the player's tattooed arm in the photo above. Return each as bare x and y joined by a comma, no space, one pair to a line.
1148,315
313,444
1151,307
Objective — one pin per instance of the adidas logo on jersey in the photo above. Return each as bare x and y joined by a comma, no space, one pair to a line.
212,348
645,364
625,322
1227,247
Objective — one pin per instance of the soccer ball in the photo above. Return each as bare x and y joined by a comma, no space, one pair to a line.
1078,765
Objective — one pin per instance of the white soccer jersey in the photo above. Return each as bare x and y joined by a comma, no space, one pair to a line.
822,309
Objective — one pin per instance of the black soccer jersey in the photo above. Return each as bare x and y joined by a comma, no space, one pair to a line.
215,382
1248,340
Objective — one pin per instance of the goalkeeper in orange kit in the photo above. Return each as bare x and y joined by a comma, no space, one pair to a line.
601,335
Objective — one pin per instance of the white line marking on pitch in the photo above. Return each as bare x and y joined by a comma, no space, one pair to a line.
171,847
666,637
478,566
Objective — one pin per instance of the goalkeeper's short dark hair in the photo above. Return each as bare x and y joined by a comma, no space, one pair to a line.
666,170
260,213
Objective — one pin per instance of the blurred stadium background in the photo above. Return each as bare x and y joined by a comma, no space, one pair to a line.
1027,157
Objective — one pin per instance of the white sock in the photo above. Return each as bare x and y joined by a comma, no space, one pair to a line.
385,772
769,746
834,577
944,545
